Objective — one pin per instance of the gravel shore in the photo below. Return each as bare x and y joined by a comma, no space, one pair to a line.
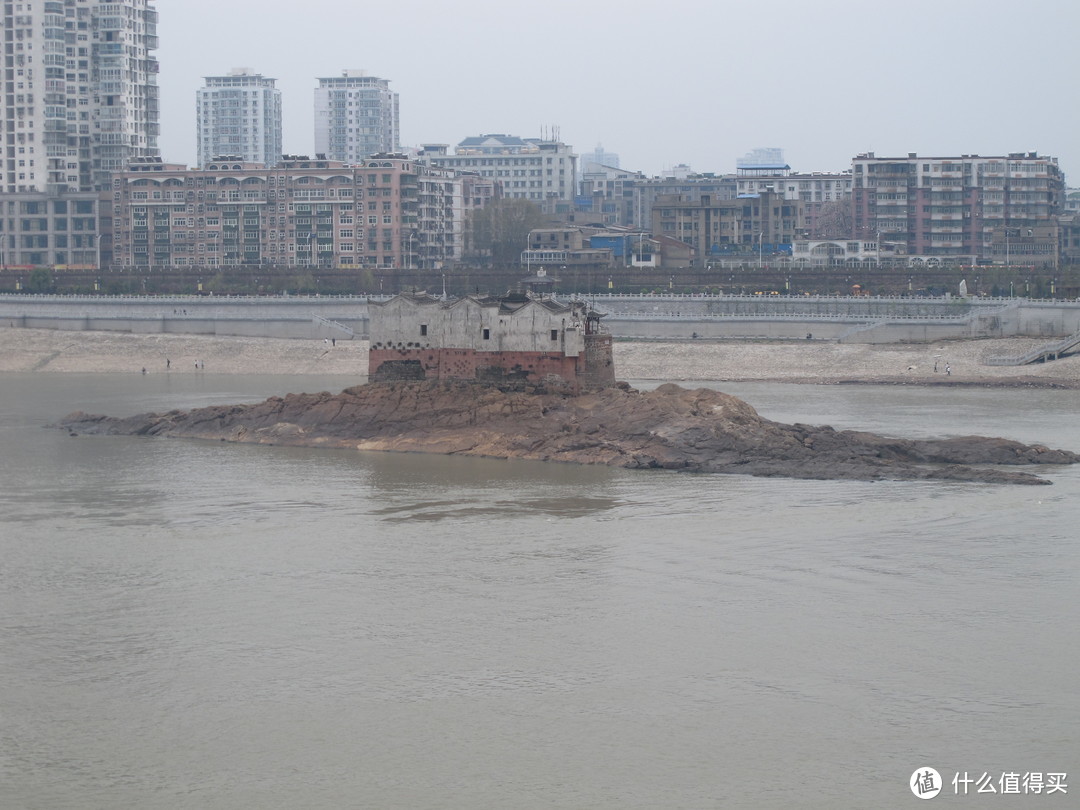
45,350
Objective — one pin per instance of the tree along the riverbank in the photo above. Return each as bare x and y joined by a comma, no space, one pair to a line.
498,278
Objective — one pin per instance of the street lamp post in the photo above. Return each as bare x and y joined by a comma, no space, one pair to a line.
97,251
760,237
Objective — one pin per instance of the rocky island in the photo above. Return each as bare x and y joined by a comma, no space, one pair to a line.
669,428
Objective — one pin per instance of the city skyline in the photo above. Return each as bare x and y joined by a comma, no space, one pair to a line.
824,83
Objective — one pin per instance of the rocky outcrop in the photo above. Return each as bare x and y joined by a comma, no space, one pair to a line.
670,428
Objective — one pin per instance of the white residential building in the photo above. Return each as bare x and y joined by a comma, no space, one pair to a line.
239,115
763,156
356,116
528,168
81,92
598,159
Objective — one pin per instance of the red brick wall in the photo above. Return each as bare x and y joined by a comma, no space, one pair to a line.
464,364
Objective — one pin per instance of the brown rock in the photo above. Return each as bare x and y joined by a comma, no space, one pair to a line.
669,428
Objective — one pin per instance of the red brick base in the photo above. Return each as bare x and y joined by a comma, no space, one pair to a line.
468,364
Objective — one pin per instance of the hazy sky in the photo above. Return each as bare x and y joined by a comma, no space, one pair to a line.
659,83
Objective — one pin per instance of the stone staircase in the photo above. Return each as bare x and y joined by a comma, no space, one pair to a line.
1041,354
319,319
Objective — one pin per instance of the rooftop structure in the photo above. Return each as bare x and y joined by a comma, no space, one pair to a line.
763,160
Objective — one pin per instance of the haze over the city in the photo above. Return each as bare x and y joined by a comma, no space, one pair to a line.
686,81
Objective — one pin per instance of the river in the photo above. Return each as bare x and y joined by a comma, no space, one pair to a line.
190,624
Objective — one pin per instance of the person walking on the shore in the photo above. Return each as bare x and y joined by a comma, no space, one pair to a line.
948,370
168,363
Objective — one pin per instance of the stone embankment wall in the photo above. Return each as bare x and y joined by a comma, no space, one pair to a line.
855,320
283,317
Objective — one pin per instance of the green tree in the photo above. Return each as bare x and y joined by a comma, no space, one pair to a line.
219,284
304,284
497,233
40,280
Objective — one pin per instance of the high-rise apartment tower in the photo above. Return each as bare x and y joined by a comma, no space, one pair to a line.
356,116
239,115
81,95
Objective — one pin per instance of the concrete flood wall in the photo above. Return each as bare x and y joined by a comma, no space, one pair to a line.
856,320
852,320
286,317
729,328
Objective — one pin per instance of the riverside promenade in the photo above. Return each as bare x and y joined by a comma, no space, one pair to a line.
48,351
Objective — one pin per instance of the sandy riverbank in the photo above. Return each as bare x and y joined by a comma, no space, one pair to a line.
43,350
